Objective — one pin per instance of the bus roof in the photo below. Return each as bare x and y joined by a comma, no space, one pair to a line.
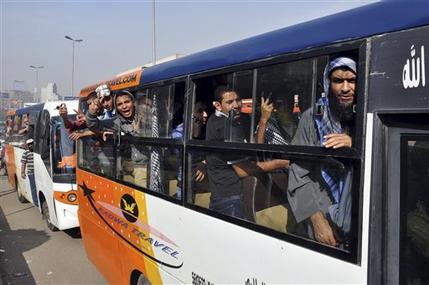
32,108
51,106
373,19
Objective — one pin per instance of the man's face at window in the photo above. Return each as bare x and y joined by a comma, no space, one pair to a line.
93,105
343,84
229,102
62,109
125,106
25,119
107,103
199,119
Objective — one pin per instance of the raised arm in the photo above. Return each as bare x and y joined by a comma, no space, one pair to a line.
266,110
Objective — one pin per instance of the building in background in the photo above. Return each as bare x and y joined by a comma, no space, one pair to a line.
17,98
49,93
13,99
4,105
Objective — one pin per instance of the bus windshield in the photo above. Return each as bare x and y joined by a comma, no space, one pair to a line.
63,148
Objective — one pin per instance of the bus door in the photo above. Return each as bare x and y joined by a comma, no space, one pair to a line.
63,152
407,202
399,217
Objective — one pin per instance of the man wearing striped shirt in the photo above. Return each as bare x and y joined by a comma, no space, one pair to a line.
27,163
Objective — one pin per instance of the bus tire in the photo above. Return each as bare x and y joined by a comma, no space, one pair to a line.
45,213
138,278
21,198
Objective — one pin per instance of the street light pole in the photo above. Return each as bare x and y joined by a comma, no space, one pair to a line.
153,34
72,75
37,78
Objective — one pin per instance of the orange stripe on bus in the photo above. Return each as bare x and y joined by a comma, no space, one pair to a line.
128,80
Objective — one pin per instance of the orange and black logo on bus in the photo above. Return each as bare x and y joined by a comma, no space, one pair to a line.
129,208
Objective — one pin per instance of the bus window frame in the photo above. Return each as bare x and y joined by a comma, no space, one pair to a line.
53,146
404,139
147,141
361,48
42,140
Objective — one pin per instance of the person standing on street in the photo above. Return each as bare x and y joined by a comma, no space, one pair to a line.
27,165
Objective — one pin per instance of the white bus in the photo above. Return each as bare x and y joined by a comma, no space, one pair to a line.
54,162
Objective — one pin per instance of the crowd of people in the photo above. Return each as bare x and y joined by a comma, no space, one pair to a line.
319,195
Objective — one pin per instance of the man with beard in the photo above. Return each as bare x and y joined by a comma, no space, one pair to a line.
320,195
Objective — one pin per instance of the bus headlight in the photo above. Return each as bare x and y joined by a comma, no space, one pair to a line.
71,197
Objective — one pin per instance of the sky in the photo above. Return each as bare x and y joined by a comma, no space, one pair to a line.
117,35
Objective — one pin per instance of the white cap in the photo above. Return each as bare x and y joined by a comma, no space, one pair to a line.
103,91
29,141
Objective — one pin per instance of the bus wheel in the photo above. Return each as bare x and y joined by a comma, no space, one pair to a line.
45,213
21,198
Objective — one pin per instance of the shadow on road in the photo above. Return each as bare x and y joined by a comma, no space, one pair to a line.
13,266
73,233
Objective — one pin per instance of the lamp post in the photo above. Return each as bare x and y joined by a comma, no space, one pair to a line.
37,78
153,34
72,76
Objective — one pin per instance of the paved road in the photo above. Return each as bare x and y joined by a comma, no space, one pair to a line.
31,254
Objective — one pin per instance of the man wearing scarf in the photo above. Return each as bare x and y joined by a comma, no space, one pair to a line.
320,194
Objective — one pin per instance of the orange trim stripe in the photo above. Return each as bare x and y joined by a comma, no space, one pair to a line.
11,112
127,80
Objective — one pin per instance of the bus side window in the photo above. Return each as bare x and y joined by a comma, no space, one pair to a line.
155,108
9,127
206,104
42,144
289,87
83,105
160,112
150,167
16,136
198,182
243,86
25,122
